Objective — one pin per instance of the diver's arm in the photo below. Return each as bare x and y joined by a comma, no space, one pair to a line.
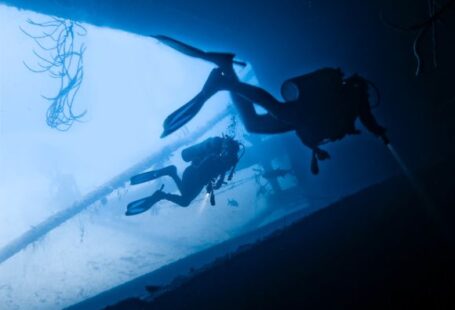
369,121
220,181
356,88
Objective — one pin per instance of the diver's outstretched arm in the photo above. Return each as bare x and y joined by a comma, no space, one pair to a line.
369,121
357,91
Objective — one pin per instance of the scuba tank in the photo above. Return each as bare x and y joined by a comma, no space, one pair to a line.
317,86
319,95
191,153
201,150
320,102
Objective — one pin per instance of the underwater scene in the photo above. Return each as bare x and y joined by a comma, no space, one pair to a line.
145,158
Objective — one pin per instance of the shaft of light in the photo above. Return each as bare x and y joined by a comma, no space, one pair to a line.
418,187
204,203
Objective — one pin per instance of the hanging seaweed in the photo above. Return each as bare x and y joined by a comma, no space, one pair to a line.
436,11
62,59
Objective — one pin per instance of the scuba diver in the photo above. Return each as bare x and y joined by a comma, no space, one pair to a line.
211,160
320,107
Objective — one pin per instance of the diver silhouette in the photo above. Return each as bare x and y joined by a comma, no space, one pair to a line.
211,160
320,107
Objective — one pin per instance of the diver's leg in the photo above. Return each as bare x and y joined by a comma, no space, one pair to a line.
281,117
170,171
190,190
252,93
181,200
245,94
173,174
188,193
254,122
190,187
243,97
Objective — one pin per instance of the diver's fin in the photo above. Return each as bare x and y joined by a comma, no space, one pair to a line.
154,174
220,59
189,110
183,115
142,205
138,206
180,46
143,177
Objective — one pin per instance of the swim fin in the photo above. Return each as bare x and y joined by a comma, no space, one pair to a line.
142,205
138,206
183,115
189,110
220,59
143,177
154,174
